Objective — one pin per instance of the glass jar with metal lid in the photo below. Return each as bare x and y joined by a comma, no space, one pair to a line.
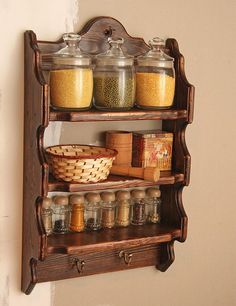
108,209
77,223
114,78
155,77
153,210
71,76
138,209
93,211
61,214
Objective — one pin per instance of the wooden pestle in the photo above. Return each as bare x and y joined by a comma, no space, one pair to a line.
149,173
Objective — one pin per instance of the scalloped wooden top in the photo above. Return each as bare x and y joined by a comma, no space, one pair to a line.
94,38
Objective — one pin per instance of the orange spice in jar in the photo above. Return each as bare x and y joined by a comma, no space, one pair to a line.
77,223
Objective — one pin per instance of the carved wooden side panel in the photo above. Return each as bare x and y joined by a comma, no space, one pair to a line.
35,170
173,210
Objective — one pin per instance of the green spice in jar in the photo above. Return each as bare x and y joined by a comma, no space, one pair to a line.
113,91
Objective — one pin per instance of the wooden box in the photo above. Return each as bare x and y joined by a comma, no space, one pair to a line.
152,148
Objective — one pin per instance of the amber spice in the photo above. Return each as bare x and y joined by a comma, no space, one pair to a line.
77,223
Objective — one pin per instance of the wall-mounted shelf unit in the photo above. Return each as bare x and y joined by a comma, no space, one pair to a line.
55,257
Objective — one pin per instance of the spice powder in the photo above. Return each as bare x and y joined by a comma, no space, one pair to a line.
154,89
71,88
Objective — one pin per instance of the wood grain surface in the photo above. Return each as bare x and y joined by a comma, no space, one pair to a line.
55,257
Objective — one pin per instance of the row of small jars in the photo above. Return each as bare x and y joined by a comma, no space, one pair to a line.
106,210
113,84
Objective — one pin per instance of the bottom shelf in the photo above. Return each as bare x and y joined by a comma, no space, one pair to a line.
110,239
63,266
88,253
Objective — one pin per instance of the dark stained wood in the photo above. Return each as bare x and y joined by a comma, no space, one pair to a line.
33,169
94,38
58,266
110,239
167,256
184,91
134,114
41,229
184,99
53,258
114,182
172,210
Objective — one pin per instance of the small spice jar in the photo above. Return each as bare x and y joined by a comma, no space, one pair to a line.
155,77
61,214
114,79
47,215
138,215
71,76
108,209
123,208
153,205
77,223
93,211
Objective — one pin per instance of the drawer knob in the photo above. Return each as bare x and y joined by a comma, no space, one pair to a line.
126,256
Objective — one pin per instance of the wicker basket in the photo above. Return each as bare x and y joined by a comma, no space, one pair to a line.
80,163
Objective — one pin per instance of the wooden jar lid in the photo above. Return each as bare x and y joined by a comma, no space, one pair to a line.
47,202
108,196
123,195
76,199
138,194
61,200
153,192
93,197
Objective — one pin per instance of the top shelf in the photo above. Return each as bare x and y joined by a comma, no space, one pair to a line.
134,114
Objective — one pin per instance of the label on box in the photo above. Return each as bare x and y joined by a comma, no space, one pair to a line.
152,149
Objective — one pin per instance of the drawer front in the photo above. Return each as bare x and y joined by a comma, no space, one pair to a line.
57,266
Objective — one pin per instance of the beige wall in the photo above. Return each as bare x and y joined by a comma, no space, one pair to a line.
204,271
16,16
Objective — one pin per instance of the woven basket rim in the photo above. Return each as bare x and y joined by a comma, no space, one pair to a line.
110,154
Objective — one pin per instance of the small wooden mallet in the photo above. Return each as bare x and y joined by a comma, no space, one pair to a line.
149,173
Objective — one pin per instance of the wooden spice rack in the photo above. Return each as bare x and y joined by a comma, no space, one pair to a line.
78,254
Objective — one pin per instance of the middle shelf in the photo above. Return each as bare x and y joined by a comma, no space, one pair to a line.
114,182
134,114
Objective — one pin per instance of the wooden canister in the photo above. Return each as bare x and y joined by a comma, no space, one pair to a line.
122,142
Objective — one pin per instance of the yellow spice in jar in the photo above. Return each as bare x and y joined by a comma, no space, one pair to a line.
154,89
71,88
